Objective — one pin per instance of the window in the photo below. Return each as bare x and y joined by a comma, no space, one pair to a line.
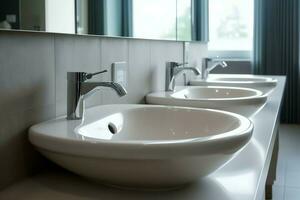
230,28
184,20
172,19
162,25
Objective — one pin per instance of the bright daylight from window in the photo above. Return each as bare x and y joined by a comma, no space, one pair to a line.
230,25
164,19
172,19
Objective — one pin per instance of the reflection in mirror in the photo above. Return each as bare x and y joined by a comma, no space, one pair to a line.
150,19
9,14
103,17
184,20
38,15
153,21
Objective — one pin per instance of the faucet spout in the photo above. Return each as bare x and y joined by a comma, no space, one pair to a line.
206,69
89,88
79,90
223,64
172,70
193,69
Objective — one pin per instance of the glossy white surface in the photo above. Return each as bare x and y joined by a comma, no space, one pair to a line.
243,101
243,177
152,146
262,83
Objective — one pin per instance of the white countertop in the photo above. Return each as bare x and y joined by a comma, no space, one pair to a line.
243,178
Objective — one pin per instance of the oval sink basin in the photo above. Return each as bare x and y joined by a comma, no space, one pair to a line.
264,84
143,146
243,101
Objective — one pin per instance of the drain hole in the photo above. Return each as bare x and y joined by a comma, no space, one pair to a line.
112,128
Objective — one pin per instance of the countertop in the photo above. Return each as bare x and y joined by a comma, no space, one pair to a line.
243,178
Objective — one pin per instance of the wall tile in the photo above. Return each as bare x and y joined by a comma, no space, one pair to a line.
197,51
75,54
27,71
27,82
160,53
139,70
19,158
113,50
33,80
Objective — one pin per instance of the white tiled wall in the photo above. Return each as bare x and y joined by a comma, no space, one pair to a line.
33,82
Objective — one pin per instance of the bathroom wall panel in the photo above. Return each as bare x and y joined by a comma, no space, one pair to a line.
160,53
75,54
113,50
27,71
139,70
27,87
33,83
197,51
235,67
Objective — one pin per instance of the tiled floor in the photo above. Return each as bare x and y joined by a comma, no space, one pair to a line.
287,185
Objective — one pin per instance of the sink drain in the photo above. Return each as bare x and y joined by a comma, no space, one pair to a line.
112,128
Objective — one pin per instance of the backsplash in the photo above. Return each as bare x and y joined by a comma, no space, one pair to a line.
235,66
33,82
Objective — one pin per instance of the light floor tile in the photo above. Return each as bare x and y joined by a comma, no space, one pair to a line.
292,179
278,192
292,193
293,163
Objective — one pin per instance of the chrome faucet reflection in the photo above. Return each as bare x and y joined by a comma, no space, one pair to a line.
172,70
79,90
206,68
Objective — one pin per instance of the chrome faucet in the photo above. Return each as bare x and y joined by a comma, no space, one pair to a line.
206,69
79,90
172,70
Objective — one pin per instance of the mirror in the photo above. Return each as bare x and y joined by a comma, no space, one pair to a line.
38,15
149,19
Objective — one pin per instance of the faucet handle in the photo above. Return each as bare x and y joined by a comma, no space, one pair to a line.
207,59
181,64
224,64
90,75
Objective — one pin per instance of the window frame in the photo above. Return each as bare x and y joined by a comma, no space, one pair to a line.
230,54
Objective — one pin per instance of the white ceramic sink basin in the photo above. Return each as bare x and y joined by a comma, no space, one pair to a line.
243,101
264,84
142,145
